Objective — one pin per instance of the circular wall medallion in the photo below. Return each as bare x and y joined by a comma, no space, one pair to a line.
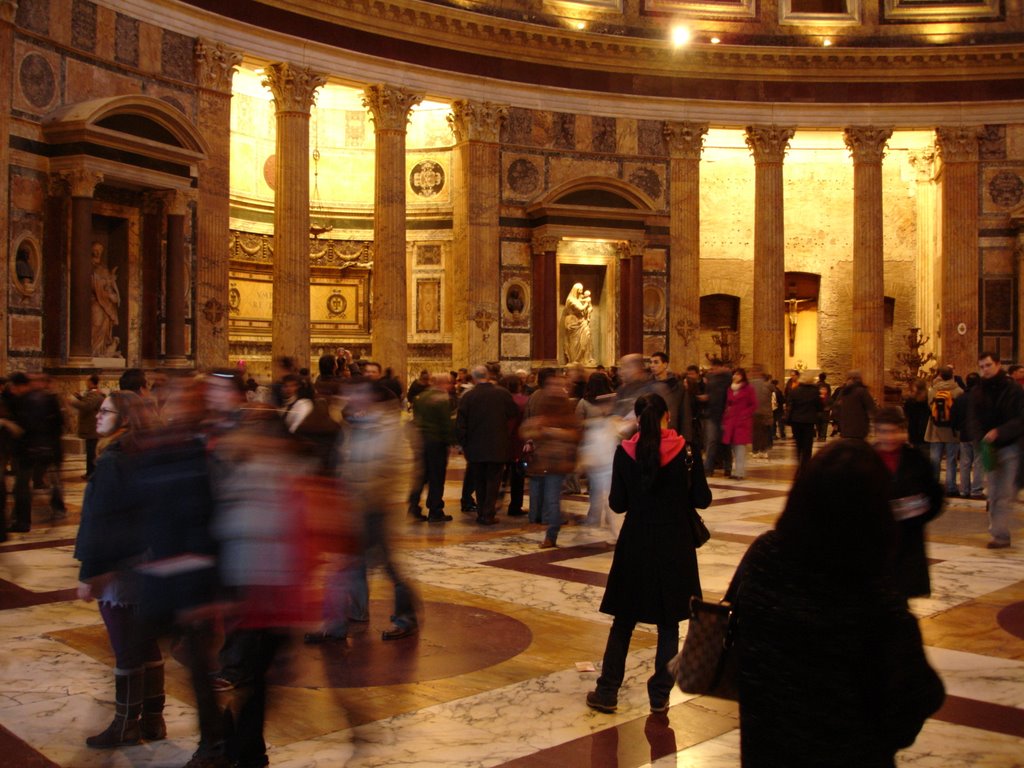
234,299
270,172
1006,189
336,304
961,328
427,178
523,178
648,180
38,82
25,263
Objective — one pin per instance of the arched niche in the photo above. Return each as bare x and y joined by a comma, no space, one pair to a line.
26,264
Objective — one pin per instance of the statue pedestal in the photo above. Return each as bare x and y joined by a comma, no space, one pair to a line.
109,362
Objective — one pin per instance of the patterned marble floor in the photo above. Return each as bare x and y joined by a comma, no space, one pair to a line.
494,678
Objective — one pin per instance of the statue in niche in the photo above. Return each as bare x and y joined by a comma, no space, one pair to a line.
106,299
577,343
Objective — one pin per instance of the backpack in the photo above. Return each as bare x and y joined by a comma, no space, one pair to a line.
942,407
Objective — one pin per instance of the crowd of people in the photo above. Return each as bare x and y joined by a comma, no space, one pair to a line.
211,499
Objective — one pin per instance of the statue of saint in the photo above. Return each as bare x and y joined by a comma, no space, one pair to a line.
106,299
577,343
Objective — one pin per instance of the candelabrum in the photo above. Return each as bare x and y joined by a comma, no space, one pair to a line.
727,342
914,359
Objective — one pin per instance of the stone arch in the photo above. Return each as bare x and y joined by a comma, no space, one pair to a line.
631,197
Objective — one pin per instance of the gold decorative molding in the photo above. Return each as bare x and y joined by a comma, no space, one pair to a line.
477,121
958,144
545,244
389,106
294,87
907,10
685,140
866,143
215,65
768,143
82,182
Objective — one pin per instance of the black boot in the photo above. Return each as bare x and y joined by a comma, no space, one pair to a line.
152,726
124,730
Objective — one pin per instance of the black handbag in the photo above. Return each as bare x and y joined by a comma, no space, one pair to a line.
699,496
700,531
707,664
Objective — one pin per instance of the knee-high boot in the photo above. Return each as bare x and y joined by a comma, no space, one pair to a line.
124,729
152,726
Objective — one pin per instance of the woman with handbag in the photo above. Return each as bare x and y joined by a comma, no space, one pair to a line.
831,665
657,481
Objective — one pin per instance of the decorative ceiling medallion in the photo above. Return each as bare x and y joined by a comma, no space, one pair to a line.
336,304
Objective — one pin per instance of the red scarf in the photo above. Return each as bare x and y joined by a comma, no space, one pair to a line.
671,445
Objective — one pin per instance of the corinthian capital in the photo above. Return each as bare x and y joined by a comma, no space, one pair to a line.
545,244
922,160
685,140
389,107
81,181
477,121
294,88
8,8
175,201
769,142
215,65
866,143
959,144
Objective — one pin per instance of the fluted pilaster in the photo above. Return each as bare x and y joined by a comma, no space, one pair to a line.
924,163
685,144
867,147
176,207
476,199
389,326
768,145
82,185
958,180
294,90
215,67
8,8
631,311
544,340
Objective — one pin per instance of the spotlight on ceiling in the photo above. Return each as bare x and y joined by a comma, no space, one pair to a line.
680,35
580,25
826,42
716,40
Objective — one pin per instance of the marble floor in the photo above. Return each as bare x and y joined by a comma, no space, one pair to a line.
498,674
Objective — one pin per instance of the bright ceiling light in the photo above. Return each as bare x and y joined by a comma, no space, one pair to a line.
715,40
680,35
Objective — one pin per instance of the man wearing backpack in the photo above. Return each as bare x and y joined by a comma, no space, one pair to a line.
940,435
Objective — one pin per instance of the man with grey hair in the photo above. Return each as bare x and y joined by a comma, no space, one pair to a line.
486,413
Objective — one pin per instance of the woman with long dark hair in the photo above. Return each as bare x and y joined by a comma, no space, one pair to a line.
738,421
654,571
831,665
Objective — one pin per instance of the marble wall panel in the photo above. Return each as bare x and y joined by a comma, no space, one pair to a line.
515,346
26,332
542,129
522,177
83,25
28,190
992,144
37,85
33,15
515,254
562,168
603,134
85,81
106,33
585,132
564,130
177,56
655,260
650,178
150,44
650,138
518,127
1015,142
998,261
126,40
626,138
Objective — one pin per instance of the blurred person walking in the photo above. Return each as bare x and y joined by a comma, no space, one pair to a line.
738,421
87,404
803,411
432,417
597,449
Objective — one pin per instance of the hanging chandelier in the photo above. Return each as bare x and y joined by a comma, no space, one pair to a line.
318,221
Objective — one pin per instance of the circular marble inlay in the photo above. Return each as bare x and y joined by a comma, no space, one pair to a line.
1011,618
523,177
37,80
453,640
1006,189
270,172
426,178
648,180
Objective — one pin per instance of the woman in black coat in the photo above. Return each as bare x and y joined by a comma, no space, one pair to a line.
832,670
654,571
803,409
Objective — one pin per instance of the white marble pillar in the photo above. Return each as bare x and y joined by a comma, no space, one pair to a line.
768,144
82,185
476,207
923,161
389,324
867,146
294,90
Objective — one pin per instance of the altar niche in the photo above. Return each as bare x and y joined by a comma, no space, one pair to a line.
600,315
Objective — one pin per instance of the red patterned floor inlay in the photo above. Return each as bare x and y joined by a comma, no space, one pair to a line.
453,640
1011,618
15,753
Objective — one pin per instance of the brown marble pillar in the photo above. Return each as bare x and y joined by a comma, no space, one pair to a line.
768,144
631,311
544,339
8,8
152,280
82,184
476,200
685,143
867,146
174,279
215,66
294,90
389,325
958,181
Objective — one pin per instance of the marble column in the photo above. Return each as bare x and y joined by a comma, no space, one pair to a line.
631,311
867,146
768,144
176,205
215,67
82,184
294,89
685,144
476,207
152,280
8,8
923,161
958,181
544,339
389,326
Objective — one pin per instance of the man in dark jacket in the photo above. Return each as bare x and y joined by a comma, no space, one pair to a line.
432,415
485,414
856,407
717,388
994,416
88,404
972,474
